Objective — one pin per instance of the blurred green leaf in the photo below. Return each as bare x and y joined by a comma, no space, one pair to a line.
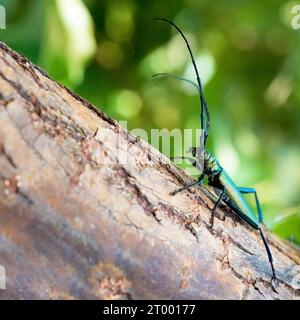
287,226
69,41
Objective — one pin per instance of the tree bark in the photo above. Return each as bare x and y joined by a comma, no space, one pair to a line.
77,221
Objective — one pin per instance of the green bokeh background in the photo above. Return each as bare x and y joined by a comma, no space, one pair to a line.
248,56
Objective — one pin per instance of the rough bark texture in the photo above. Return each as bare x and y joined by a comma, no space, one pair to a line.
76,222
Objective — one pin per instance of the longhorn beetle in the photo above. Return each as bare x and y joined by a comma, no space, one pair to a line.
226,189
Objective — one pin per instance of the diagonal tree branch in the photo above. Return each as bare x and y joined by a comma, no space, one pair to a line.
76,221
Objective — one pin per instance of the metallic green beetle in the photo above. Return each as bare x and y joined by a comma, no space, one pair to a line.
210,167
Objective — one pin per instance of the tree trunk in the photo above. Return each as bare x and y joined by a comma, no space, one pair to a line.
78,221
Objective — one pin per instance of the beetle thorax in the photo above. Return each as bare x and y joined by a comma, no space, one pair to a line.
211,164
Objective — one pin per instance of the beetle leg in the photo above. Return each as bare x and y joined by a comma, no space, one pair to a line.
274,277
198,182
258,206
260,218
213,211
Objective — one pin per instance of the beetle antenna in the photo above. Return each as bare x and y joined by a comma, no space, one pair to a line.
164,75
204,134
